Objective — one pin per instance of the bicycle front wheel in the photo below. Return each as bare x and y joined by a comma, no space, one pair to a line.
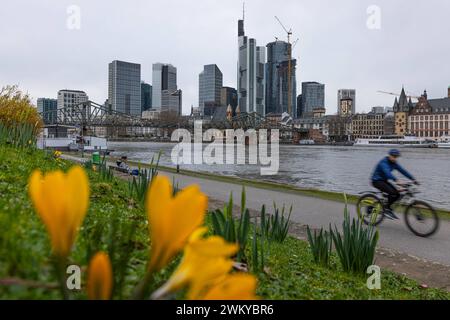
421,219
370,209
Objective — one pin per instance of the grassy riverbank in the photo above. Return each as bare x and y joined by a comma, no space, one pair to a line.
25,268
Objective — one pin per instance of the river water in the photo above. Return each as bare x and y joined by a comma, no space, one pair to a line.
341,169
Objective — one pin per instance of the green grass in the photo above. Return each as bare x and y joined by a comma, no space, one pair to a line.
292,274
24,246
25,250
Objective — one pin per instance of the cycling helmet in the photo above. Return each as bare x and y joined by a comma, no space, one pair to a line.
394,153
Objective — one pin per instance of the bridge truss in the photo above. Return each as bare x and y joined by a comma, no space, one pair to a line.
89,115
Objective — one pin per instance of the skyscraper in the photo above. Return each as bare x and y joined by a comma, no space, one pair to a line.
146,96
68,98
277,83
251,73
299,106
171,101
49,109
313,97
124,89
346,102
210,86
165,94
229,98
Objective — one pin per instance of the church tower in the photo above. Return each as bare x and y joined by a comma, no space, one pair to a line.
402,108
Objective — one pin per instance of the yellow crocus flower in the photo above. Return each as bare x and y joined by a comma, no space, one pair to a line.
61,201
100,279
239,286
205,261
172,219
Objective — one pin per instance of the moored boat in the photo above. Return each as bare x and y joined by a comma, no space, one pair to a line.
396,141
73,143
444,142
308,142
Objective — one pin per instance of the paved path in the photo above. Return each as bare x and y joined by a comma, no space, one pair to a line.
320,213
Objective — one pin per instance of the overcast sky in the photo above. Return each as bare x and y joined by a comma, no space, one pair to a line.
412,48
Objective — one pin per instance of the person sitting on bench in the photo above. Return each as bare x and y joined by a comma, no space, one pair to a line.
122,164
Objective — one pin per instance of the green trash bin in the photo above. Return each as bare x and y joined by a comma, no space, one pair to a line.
96,158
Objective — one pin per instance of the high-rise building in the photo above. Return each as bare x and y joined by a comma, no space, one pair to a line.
313,97
299,106
251,74
67,99
165,94
229,97
146,96
171,102
277,83
48,107
124,88
210,89
346,107
346,104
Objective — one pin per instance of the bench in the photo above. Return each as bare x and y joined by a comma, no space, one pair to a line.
118,169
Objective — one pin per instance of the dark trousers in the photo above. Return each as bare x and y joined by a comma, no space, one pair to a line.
386,187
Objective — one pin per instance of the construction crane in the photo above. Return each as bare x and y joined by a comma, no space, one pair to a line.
289,32
397,95
290,46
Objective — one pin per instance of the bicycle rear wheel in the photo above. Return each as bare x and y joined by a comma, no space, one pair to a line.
370,209
421,219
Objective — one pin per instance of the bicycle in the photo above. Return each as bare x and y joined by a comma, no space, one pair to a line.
420,217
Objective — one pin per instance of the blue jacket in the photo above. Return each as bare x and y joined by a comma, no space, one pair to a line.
383,171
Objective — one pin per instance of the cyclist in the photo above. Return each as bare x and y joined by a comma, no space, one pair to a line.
383,174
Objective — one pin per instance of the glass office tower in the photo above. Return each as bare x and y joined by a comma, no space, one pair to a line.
313,97
146,96
165,94
251,74
277,75
210,87
124,88
48,108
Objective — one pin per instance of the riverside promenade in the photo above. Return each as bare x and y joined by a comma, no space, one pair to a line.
317,213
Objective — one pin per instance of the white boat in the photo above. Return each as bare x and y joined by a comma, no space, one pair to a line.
54,143
396,141
74,143
444,142
95,144
307,142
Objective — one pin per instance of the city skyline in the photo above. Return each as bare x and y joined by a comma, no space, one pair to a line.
322,58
